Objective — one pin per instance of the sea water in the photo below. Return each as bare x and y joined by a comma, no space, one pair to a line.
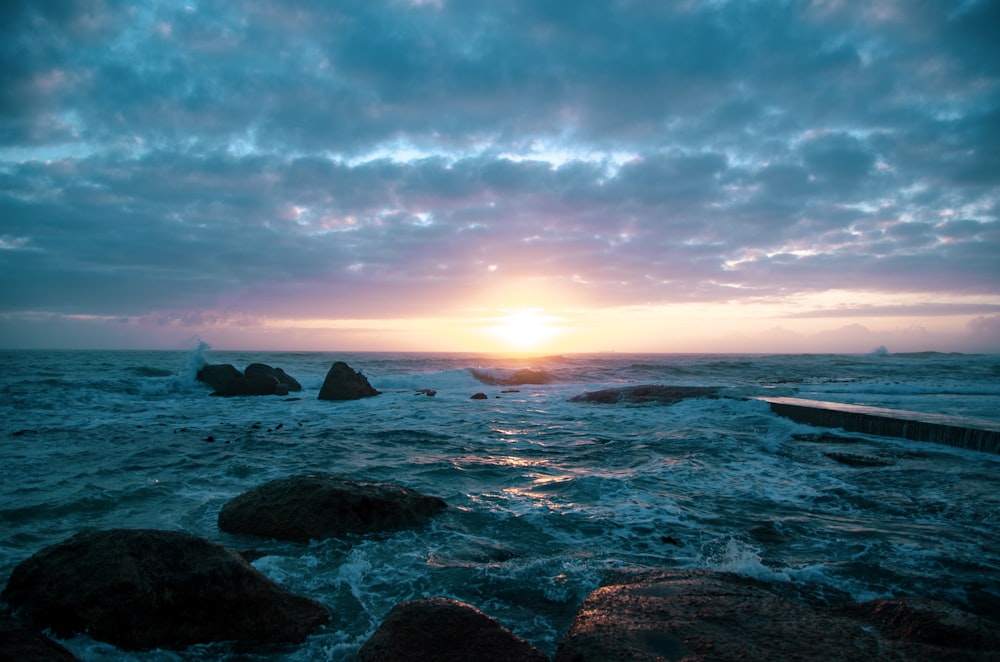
548,498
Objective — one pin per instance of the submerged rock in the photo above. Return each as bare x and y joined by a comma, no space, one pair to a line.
316,506
658,393
854,460
344,383
141,589
703,615
447,631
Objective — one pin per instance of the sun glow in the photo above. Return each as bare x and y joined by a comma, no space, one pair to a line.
525,330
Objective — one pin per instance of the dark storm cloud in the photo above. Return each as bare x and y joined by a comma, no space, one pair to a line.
382,158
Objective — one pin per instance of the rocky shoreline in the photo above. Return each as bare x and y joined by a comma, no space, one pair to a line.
143,589
139,589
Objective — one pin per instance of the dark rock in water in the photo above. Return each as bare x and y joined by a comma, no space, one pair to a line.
227,381
344,383
429,392
479,396
852,460
826,437
516,378
666,395
316,506
140,589
255,385
278,374
929,622
18,643
220,376
701,615
446,631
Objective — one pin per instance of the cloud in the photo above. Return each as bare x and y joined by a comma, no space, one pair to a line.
375,159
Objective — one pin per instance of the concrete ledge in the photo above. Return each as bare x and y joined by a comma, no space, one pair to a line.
973,434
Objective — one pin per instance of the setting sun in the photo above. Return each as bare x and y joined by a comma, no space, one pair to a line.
526,329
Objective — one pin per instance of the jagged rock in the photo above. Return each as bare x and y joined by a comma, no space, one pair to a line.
277,374
221,377
18,643
703,615
667,395
227,381
344,383
446,631
141,589
316,506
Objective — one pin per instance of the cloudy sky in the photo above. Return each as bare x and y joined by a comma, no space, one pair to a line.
535,175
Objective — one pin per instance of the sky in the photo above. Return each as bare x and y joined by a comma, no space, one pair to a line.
527,175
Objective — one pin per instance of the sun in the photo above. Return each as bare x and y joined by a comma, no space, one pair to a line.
525,329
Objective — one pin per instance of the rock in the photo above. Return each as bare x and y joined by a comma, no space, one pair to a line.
929,622
21,643
516,378
220,376
277,374
429,392
854,460
479,396
253,385
701,615
446,631
140,589
344,383
316,506
666,395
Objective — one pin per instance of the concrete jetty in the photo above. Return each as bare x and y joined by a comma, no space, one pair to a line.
974,434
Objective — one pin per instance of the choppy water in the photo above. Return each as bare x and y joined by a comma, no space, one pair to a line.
547,496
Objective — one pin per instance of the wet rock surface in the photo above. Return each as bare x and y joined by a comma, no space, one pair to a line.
316,506
446,631
258,379
141,589
20,643
345,383
657,393
703,615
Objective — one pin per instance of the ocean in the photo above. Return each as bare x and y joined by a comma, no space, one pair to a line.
547,497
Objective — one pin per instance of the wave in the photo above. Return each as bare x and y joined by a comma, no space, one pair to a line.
146,371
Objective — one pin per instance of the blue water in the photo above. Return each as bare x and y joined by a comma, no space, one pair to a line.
547,496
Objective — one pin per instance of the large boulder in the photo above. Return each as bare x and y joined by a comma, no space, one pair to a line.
673,615
344,383
316,506
141,589
227,381
447,631
221,377
277,374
